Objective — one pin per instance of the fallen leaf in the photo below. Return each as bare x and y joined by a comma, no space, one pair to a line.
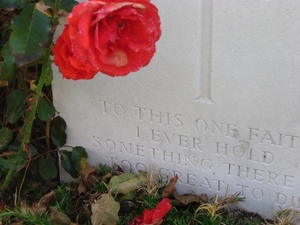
188,198
39,207
127,182
46,198
81,188
105,211
35,209
88,173
169,189
58,217
3,83
106,176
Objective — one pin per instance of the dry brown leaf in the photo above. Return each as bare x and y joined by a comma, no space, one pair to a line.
169,189
81,188
39,207
106,176
35,209
88,173
3,83
105,211
188,198
46,198
58,217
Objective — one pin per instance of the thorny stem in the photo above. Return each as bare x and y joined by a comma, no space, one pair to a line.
30,114
29,118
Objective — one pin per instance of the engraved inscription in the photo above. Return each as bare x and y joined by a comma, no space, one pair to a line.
158,117
215,156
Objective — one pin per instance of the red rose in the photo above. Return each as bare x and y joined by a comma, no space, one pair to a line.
113,37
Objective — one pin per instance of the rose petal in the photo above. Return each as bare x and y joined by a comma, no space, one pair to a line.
138,220
96,62
147,216
109,8
83,36
152,216
81,9
161,209
69,65
138,1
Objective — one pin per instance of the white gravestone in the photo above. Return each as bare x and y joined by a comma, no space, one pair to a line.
218,105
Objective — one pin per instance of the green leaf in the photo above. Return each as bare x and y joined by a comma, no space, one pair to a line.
31,33
105,211
14,147
67,164
68,5
58,131
127,182
7,66
13,161
45,109
16,105
47,168
9,4
79,157
5,138
50,2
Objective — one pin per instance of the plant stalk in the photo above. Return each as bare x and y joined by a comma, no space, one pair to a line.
29,118
30,114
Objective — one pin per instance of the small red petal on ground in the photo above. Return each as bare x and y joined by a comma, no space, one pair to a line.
137,221
153,216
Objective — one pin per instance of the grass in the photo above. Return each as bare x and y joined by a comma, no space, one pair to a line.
286,217
73,206
10,216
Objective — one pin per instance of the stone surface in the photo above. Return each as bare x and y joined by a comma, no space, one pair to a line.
218,105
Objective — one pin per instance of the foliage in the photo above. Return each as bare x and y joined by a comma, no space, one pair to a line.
26,217
214,209
28,119
95,204
285,217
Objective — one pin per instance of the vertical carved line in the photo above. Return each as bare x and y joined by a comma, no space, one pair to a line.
206,52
